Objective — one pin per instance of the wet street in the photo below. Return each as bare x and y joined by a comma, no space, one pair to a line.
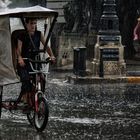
80,112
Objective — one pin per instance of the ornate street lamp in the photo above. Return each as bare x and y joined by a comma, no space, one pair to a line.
109,22
108,52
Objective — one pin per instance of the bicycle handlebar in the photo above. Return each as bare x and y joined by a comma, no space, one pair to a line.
48,60
38,51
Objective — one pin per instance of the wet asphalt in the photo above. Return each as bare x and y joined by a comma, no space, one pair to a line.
79,112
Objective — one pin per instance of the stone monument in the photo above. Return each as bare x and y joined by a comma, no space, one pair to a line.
109,52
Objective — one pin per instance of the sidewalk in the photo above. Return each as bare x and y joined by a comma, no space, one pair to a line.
132,75
97,80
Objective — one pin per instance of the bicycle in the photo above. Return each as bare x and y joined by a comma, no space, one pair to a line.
37,109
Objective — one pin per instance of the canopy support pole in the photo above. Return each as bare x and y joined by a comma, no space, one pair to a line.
50,31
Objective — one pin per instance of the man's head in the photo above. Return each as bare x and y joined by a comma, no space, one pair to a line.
31,24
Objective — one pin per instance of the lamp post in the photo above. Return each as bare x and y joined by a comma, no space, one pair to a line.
109,22
108,57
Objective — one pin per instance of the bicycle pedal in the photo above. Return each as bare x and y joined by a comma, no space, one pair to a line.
26,110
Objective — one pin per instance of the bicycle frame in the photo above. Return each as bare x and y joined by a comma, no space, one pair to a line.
38,74
12,104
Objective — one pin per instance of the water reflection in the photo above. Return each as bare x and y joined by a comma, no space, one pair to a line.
81,112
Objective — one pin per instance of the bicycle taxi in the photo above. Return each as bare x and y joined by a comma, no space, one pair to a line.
11,24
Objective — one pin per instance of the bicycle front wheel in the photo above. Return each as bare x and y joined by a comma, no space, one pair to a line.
41,116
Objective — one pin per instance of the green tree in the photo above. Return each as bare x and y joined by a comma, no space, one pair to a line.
38,2
19,3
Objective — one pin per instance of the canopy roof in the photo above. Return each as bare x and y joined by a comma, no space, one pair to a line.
36,11
7,71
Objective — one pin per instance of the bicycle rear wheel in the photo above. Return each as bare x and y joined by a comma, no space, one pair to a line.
41,116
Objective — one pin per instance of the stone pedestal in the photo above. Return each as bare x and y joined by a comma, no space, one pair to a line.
112,58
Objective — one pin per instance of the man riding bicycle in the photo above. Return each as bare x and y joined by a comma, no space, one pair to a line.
28,45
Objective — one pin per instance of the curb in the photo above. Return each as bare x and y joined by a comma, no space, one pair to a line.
97,80
133,79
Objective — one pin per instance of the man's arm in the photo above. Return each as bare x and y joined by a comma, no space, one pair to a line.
20,59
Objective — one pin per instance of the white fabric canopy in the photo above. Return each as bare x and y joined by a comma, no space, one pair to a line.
37,10
7,73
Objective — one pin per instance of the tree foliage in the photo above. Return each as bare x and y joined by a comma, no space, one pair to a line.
24,3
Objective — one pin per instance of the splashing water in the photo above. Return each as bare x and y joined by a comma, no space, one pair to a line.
96,111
